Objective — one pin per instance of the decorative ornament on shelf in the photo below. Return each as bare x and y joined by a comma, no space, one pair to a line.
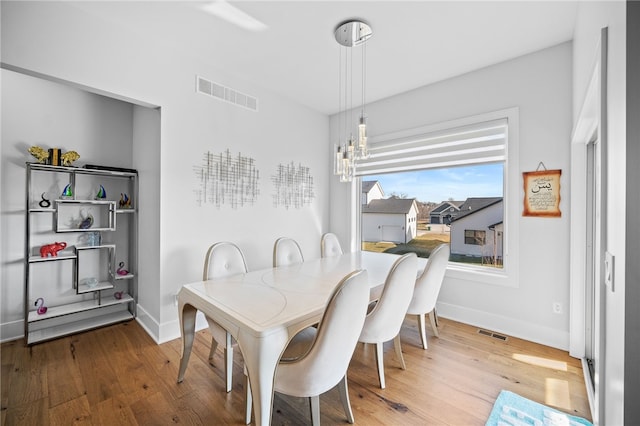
52,249
41,154
40,305
101,194
121,270
349,34
54,156
67,192
118,295
69,157
86,221
90,282
125,202
44,203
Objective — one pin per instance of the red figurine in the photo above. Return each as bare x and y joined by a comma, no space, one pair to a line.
52,249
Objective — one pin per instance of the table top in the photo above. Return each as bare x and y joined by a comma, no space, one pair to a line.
265,300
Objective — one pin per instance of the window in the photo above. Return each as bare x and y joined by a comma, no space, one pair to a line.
476,238
470,226
455,174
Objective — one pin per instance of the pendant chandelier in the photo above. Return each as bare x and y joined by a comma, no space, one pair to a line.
352,142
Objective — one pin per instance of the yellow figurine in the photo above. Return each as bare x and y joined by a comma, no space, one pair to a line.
41,154
69,157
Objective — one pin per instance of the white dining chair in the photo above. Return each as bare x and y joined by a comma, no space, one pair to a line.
425,294
286,251
384,321
316,360
330,245
223,259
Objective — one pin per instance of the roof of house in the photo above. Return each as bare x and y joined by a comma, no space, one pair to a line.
446,205
368,184
475,204
390,206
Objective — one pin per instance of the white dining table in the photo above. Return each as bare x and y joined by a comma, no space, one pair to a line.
264,309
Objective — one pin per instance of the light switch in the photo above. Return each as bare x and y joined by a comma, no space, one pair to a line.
608,270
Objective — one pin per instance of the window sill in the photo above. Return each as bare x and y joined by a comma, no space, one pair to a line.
479,274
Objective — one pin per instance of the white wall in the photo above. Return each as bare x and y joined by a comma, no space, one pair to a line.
39,112
59,40
540,85
592,16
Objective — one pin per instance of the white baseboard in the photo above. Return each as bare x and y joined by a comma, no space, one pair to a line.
13,330
148,323
510,326
171,330
167,331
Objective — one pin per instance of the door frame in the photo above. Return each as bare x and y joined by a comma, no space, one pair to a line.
590,128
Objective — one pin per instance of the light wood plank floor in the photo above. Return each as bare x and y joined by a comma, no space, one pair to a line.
117,375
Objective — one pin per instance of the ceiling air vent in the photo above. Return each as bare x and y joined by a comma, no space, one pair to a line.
226,94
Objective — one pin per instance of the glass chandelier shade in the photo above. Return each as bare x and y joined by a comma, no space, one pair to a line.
348,150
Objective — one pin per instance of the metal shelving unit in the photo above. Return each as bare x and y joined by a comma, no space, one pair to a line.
90,293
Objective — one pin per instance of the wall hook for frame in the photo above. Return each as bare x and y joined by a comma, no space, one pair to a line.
541,164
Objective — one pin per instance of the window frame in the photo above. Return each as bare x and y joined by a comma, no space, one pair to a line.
506,276
479,237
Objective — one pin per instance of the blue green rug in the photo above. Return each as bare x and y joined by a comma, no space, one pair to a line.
511,409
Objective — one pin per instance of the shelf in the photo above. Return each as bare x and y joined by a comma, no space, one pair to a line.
67,221
80,170
123,277
80,219
61,256
102,285
75,327
101,246
72,308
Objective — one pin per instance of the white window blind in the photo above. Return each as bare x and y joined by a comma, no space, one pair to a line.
483,142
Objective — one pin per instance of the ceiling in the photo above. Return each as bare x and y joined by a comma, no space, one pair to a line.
414,43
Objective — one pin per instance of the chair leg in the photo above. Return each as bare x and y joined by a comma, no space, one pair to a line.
423,333
314,405
434,322
228,363
398,347
249,399
344,397
212,351
435,314
380,362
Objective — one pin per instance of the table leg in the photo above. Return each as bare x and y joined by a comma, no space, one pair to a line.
187,314
261,356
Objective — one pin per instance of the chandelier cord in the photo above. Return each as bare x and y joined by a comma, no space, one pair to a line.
364,75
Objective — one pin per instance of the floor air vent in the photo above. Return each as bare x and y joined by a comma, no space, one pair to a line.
226,94
492,334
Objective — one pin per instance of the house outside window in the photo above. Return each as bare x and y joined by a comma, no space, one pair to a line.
475,217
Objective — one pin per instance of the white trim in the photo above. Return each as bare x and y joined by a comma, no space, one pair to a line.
171,330
591,121
508,276
530,331
12,330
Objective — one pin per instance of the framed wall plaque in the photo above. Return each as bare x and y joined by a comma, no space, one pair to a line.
542,193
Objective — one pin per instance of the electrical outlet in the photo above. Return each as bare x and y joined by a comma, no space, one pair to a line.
557,307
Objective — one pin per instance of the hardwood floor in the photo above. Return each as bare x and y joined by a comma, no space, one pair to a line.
118,376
